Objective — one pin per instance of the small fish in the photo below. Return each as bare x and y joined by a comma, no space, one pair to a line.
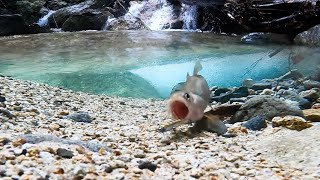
189,99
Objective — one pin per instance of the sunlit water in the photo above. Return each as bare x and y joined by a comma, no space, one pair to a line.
143,64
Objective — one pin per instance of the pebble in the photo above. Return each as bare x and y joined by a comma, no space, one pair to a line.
80,117
64,153
148,165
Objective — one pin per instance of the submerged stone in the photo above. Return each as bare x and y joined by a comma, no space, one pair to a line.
312,115
80,117
255,124
291,122
266,107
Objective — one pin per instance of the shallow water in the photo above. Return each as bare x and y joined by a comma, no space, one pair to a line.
143,64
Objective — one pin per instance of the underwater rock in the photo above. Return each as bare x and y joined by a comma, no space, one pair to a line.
312,115
267,92
64,153
311,95
289,95
147,165
261,86
88,19
309,84
310,37
11,25
266,107
80,117
2,99
291,122
255,123
236,93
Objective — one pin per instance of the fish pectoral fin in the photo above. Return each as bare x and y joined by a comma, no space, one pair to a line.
197,68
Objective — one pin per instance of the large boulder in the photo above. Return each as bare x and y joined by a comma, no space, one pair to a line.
11,25
30,10
265,107
60,16
88,19
311,37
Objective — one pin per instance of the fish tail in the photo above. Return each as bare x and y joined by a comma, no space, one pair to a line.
197,68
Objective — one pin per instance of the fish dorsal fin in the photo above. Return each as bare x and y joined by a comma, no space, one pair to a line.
197,68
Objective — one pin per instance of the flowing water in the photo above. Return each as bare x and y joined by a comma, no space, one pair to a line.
143,64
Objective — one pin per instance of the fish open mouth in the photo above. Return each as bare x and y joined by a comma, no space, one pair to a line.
179,110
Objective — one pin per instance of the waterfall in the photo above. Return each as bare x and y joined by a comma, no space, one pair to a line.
44,20
159,15
156,14
189,17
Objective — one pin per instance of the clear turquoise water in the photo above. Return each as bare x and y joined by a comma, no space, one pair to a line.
143,64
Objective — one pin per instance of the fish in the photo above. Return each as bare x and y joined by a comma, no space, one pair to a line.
189,99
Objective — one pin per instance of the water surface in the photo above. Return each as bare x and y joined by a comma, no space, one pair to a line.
143,64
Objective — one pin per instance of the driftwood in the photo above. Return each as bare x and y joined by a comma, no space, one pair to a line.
243,16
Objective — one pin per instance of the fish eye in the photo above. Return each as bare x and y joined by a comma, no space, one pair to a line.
186,96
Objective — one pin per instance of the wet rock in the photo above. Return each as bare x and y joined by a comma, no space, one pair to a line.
311,95
293,96
312,115
88,19
35,29
12,25
309,84
61,15
261,86
64,153
266,107
56,4
291,122
310,37
255,124
30,9
147,165
80,117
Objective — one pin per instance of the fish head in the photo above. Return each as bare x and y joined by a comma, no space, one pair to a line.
186,106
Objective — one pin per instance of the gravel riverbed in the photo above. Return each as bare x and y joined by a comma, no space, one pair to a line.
51,133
